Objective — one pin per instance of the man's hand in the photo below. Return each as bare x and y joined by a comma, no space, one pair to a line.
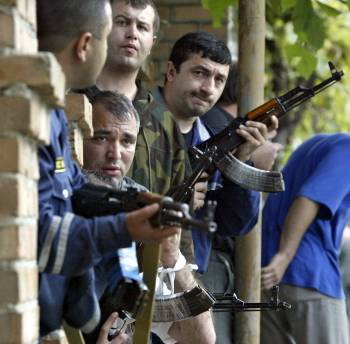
122,338
140,228
265,156
272,274
199,192
255,135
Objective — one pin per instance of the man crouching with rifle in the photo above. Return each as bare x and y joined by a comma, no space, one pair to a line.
107,158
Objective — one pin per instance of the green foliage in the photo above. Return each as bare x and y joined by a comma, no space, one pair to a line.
304,35
217,9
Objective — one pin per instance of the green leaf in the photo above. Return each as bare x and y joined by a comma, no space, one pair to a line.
302,13
315,32
292,51
307,64
287,4
218,9
348,3
328,10
275,5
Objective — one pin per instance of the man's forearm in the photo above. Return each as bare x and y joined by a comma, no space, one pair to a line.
199,329
301,214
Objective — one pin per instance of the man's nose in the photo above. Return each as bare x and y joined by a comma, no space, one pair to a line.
208,85
131,31
114,150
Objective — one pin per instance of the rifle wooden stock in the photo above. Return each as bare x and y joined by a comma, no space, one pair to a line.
263,112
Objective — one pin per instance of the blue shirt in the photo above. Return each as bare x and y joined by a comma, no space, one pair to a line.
318,170
69,245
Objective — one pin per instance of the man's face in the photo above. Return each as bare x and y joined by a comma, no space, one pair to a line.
132,36
97,58
111,149
196,87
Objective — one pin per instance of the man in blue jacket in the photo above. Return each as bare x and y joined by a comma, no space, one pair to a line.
69,245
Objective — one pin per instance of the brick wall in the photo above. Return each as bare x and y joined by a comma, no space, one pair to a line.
29,83
179,17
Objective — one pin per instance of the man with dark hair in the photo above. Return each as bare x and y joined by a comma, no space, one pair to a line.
70,245
196,75
108,156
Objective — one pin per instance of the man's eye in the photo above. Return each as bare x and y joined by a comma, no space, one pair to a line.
198,73
143,27
120,22
128,142
99,139
220,81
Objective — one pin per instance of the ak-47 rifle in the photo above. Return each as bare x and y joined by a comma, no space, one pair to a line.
216,151
230,302
96,200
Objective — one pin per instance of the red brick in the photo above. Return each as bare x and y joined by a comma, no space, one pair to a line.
21,283
26,8
41,72
21,196
25,113
162,50
20,325
220,32
79,109
16,33
76,142
175,31
18,241
190,13
164,12
19,155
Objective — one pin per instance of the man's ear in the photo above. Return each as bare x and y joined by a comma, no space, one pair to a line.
170,71
83,46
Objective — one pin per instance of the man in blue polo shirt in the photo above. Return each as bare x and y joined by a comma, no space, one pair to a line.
302,233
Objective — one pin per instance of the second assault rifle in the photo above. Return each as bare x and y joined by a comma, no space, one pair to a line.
96,200
216,151
230,302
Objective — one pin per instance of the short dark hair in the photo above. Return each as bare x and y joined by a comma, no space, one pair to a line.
204,43
61,20
229,94
116,103
142,4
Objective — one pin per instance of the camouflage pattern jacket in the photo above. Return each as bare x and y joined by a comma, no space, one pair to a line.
160,160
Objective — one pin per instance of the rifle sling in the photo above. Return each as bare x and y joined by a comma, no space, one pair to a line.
183,305
247,176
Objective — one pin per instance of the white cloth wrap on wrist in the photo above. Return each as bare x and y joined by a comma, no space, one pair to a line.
162,329
170,273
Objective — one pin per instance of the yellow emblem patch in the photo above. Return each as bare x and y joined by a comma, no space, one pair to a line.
59,165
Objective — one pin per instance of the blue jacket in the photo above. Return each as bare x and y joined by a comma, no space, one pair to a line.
69,245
